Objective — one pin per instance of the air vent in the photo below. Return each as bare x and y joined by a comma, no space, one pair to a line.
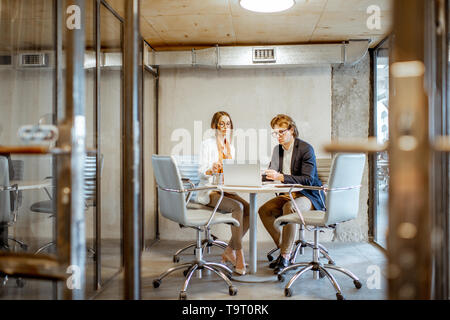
33,60
5,60
264,55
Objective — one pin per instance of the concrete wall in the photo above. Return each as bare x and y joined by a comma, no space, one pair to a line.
252,97
350,119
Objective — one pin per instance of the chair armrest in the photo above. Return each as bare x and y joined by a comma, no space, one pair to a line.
13,188
188,181
323,188
198,189
188,190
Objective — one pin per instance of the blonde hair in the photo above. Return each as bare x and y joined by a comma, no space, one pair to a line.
281,119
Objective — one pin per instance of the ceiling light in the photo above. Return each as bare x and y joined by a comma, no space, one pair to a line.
267,6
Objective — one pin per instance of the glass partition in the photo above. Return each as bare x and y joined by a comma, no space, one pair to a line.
27,100
381,119
110,143
149,148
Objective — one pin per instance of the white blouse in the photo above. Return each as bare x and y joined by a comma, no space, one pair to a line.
208,155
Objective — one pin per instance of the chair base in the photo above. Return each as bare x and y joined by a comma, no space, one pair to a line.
206,246
21,244
198,265
90,251
300,246
318,269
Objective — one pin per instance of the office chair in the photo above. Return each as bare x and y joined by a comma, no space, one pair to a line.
188,168
90,182
342,203
323,171
18,166
5,210
172,205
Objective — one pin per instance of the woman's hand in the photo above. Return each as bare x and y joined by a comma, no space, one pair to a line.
274,175
217,167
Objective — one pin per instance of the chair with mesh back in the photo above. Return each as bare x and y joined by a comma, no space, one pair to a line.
323,171
172,205
342,204
90,182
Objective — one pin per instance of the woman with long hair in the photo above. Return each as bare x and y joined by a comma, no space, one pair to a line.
214,151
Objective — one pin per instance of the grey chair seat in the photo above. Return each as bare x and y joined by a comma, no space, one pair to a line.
196,206
315,218
199,206
199,217
43,207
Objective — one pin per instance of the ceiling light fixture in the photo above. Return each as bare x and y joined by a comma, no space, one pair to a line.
266,6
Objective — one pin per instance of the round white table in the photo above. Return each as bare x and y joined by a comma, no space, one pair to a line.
253,192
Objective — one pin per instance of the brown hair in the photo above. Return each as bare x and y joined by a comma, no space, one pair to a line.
281,119
216,117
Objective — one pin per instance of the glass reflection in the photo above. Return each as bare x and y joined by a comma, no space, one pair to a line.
382,132
110,143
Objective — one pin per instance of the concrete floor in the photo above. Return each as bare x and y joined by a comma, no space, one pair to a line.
365,260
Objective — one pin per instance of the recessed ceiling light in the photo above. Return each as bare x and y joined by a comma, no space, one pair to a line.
267,6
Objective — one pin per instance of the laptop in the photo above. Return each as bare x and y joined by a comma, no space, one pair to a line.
247,174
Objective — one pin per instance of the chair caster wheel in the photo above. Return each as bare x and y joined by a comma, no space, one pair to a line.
232,291
269,257
24,247
156,283
331,262
288,292
183,295
185,272
339,296
357,284
176,259
214,237
20,283
281,277
321,274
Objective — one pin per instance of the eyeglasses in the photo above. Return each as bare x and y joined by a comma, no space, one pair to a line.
224,124
279,133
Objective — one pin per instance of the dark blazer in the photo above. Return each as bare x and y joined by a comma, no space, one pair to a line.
303,170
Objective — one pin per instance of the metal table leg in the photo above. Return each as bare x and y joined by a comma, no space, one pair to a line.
253,234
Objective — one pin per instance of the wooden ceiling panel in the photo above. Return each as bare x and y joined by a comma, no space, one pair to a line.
194,29
154,8
189,22
26,34
274,30
118,6
349,21
300,8
150,33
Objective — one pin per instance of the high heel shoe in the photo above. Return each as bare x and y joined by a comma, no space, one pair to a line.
241,271
228,258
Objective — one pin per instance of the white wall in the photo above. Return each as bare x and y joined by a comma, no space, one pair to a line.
252,97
